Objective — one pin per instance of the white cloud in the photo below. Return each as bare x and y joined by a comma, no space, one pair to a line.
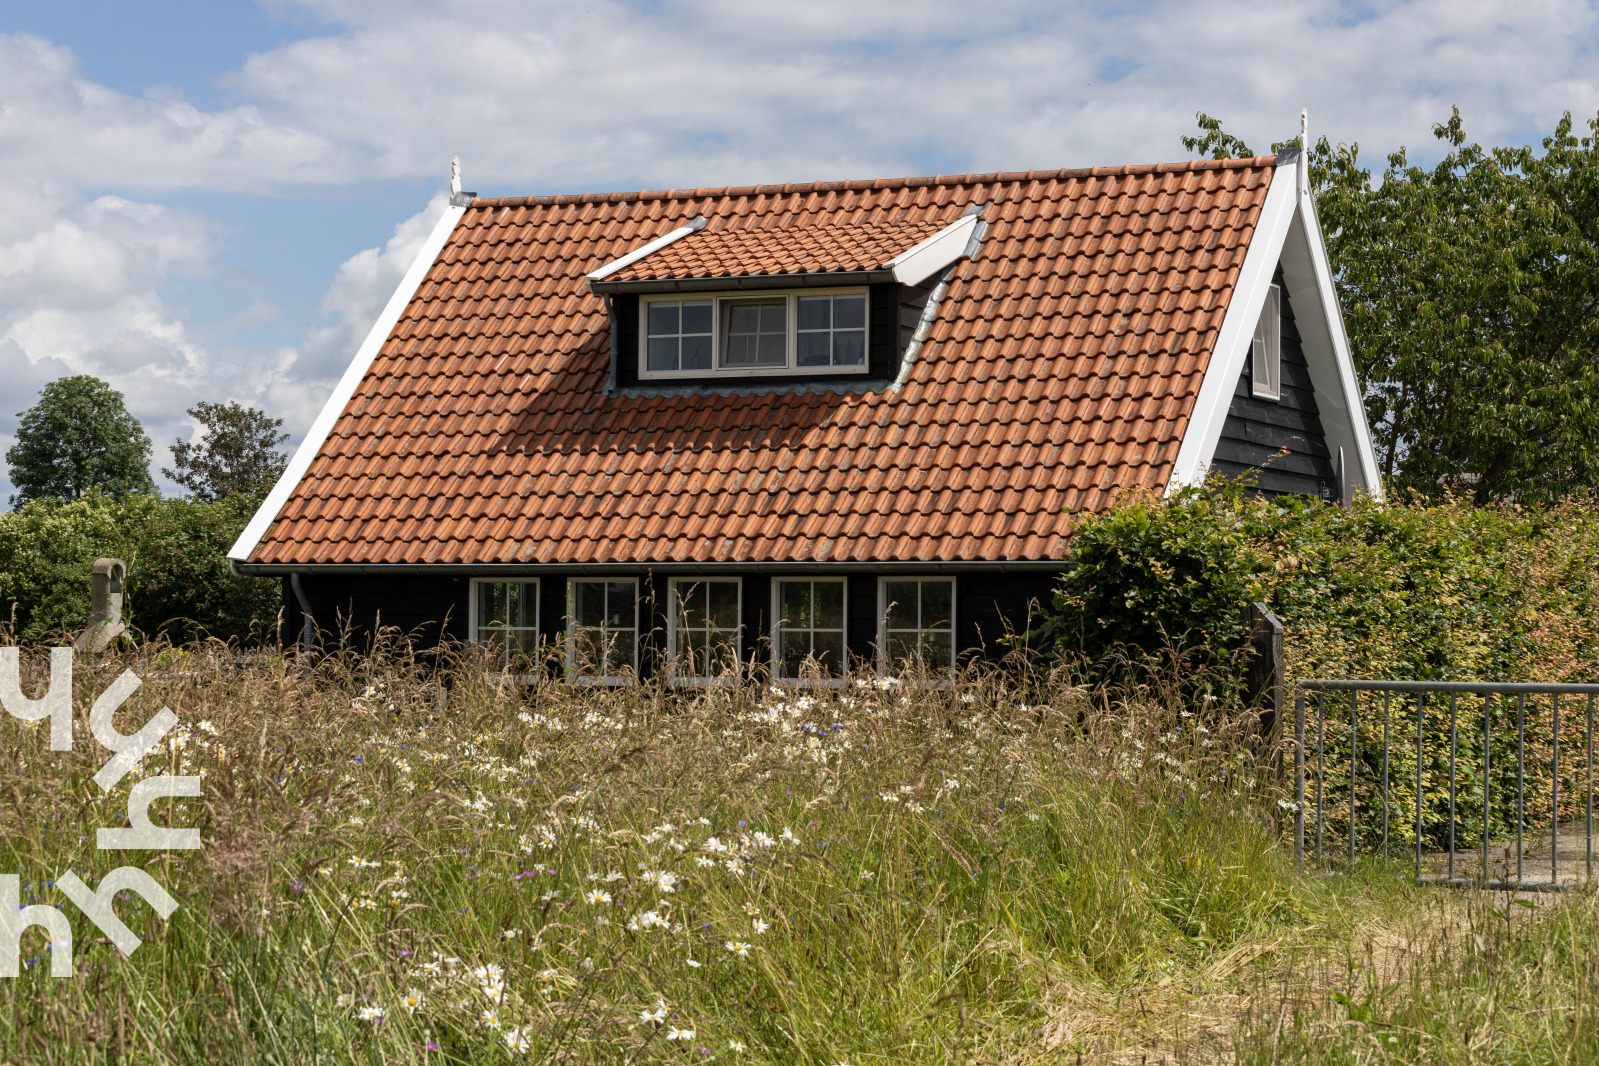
59,126
553,94
364,284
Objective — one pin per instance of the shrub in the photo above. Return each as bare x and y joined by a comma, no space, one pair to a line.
178,577
1403,590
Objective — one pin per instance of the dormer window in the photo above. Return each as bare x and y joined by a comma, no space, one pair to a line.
742,334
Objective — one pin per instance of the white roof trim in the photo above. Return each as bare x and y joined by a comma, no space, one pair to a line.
654,246
921,261
318,433
1286,233
1236,334
1347,428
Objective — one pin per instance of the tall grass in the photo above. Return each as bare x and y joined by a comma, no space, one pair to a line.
409,864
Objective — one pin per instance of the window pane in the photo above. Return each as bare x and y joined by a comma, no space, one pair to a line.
936,597
663,319
849,312
937,650
590,603
796,646
663,353
849,348
773,350
813,349
829,605
740,351
774,317
527,643
619,658
901,646
743,319
829,651
586,650
721,655
619,598
796,603
814,312
902,612
523,605
690,604
724,604
757,333
697,317
490,603
691,654
696,353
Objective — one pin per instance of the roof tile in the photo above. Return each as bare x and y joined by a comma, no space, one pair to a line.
1062,366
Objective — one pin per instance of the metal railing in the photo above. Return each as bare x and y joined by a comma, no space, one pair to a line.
1449,734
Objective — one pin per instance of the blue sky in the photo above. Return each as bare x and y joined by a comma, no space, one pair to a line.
211,201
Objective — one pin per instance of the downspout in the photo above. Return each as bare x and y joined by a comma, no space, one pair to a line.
616,355
308,628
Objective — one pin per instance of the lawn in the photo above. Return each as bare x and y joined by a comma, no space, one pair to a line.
403,864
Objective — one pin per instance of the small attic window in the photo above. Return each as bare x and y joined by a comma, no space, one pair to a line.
802,331
1266,354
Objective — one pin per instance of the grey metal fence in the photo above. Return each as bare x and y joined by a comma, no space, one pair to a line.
1370,753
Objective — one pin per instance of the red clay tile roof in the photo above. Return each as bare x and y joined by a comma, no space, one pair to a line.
1062,365
766,250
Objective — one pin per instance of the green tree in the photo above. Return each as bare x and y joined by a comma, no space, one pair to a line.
79,436
238,455
1471,294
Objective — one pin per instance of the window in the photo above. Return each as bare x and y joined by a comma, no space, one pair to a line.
679,336
603,621
506,614
801,332
809,634
704,627
1266,354
832,331
756,332
919,622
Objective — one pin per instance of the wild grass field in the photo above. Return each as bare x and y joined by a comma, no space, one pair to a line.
403,864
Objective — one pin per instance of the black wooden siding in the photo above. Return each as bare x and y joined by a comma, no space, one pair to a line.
1256,430
424,609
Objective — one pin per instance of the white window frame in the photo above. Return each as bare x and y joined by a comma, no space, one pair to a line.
884,665
1266,349
717,301
472,631
572,674
671,628
777,631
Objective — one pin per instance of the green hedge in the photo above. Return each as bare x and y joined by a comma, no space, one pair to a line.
178,578
1401,590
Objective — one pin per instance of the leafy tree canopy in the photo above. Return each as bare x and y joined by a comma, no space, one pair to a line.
237,456
1470,291
79,436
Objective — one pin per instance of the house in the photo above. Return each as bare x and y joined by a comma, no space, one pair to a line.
806,422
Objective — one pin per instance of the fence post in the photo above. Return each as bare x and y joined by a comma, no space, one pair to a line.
1265,677
1299,777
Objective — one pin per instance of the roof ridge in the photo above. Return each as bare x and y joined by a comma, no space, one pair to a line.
876,184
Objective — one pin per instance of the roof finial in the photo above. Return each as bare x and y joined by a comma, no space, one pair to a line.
455,175
1304,129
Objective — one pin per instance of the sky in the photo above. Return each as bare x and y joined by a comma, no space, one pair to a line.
213,200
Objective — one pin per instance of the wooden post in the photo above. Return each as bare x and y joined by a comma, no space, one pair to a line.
1264,682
